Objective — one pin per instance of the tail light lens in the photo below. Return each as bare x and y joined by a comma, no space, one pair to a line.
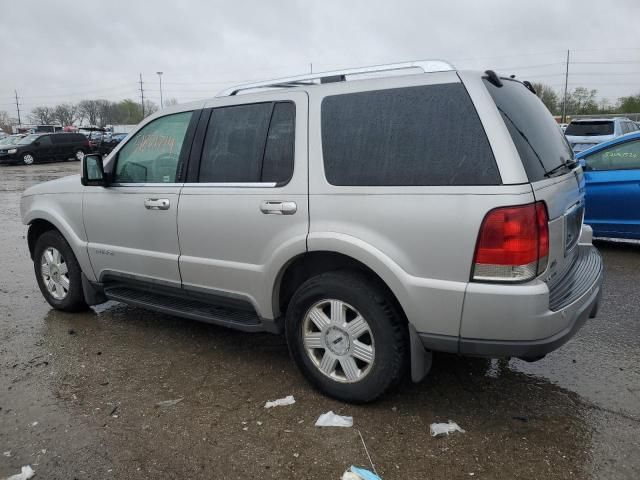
513,244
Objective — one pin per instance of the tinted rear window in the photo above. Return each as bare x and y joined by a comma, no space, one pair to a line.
540,143
426,135
588,129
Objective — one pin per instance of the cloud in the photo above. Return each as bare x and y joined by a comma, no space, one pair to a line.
64,51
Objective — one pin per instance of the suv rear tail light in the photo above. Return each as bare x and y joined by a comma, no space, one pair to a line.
513,244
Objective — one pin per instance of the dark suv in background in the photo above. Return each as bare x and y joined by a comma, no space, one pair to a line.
48,147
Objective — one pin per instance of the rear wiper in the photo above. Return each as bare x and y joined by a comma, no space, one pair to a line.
569,164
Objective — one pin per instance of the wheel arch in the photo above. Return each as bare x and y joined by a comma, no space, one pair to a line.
309,264
36,228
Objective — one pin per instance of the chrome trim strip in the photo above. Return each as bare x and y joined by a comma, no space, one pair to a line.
232,184
146,185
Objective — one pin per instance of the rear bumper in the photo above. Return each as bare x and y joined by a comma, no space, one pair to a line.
530,320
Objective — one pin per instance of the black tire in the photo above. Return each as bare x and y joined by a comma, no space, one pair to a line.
74,299
24,158
387,325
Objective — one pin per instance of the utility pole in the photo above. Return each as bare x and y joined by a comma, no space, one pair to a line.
142,96
160,77
566,82
18,107
311,67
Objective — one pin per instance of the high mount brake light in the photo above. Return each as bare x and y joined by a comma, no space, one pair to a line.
513,244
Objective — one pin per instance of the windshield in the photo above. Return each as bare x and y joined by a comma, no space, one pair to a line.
540,143
589,129
28,139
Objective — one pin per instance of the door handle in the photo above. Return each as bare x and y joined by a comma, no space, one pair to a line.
156,203
275,207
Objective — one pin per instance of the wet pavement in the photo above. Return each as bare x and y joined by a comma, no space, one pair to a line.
79,393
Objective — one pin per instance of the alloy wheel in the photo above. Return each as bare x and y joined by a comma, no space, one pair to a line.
55,273
338,340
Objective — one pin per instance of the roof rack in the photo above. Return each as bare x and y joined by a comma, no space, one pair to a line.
425,66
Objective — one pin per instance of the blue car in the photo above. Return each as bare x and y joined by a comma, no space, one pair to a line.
612,175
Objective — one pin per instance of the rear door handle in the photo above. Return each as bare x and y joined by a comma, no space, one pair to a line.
276,207
156,203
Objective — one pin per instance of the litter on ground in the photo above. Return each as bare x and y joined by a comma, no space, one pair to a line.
288,400
331,419
355,473
445,428
169,403
26,473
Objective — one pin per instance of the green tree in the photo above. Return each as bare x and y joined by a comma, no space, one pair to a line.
630,104
548,96
582,101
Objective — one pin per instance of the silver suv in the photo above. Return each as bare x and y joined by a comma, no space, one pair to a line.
373,215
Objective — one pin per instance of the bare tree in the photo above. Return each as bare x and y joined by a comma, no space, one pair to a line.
149,108
42,115
90,109
169,102
66,113
5,121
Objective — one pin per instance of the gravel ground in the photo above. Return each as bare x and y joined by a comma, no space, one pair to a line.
79,393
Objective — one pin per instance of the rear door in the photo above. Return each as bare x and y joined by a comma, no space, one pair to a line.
613,190
244,210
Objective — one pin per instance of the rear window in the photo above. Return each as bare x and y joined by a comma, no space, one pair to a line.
425,135
540,143
588,129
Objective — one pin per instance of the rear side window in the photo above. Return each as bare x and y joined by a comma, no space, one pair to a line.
57,139
589,129
540,143
425,135
249,144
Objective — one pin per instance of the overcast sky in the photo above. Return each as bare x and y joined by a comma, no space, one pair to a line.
55,51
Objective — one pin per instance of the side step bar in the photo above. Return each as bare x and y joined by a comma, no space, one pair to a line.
192,308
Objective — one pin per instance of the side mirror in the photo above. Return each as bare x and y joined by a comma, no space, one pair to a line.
93,171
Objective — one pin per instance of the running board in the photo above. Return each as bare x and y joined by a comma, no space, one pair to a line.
195,309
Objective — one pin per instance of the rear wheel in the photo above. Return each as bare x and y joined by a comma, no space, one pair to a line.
58,272
346,336
78,155
28,158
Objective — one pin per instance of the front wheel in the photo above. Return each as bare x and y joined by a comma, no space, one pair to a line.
28,158
346,335
58,272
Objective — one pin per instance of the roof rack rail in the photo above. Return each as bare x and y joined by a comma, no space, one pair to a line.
425,66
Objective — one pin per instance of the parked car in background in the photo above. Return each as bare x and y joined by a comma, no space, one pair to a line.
347,214
585,133
612,175
110,141
51,147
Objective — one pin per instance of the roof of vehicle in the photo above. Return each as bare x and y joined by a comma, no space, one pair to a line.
608,143
610,119
319,78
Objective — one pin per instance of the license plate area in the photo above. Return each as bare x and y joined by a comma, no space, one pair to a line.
573,227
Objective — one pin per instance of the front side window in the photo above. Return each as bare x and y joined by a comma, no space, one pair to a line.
249,144
625,156
152,154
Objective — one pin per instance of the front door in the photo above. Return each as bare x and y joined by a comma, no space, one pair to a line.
244,210
131,225
613,190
